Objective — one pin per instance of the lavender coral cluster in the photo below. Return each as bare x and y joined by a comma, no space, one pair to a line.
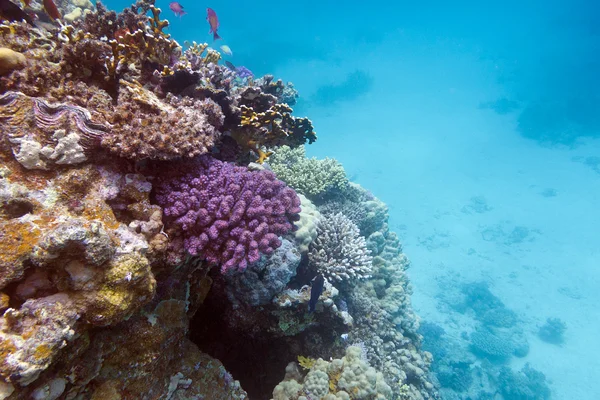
228,214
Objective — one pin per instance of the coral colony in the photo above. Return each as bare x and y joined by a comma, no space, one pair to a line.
158,213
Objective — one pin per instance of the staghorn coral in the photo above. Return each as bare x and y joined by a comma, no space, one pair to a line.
227,214
312,177
339,252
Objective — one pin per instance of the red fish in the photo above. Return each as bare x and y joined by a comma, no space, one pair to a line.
177,8
213,21
51,9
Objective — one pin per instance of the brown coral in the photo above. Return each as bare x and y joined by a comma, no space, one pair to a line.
146,127
266,123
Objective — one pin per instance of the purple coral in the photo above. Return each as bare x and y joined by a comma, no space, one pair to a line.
228,214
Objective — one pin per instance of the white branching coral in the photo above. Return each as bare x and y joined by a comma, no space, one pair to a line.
339,252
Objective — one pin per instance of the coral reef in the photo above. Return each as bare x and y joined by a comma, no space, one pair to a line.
10,60
347,378
526,384
123,183
312,177
227,214
264,122
285,93
306,226
260,282
339,252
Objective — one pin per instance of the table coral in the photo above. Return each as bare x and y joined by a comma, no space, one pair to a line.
228,214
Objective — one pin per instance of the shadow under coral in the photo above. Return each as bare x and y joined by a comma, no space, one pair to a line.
243,339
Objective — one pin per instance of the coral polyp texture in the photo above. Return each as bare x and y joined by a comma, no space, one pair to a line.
339,252
350,377
228,214
312,177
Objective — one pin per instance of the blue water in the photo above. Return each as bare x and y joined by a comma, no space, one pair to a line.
478,124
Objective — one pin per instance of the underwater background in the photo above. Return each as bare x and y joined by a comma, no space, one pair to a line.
479,125
163,233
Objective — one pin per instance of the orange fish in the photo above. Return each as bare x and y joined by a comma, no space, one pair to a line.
51,9
213,21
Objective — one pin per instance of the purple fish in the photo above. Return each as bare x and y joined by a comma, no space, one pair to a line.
177,8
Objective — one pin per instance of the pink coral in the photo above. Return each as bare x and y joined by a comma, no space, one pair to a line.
228,214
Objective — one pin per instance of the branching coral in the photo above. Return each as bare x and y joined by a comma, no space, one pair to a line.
312,177
227,214
339,252
285,93
265,122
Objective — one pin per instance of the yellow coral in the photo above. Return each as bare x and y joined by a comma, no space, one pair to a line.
10,60
156,24
306,362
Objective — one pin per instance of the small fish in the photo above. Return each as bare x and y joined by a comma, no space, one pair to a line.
177,8
12,12
226,50
315,292
213,21
51,9
230,65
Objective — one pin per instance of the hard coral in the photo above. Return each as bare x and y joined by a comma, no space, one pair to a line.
339,252
347,378
148,127
10,60
264,122
312,177
227,214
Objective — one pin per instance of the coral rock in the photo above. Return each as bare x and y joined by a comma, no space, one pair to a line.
10,60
